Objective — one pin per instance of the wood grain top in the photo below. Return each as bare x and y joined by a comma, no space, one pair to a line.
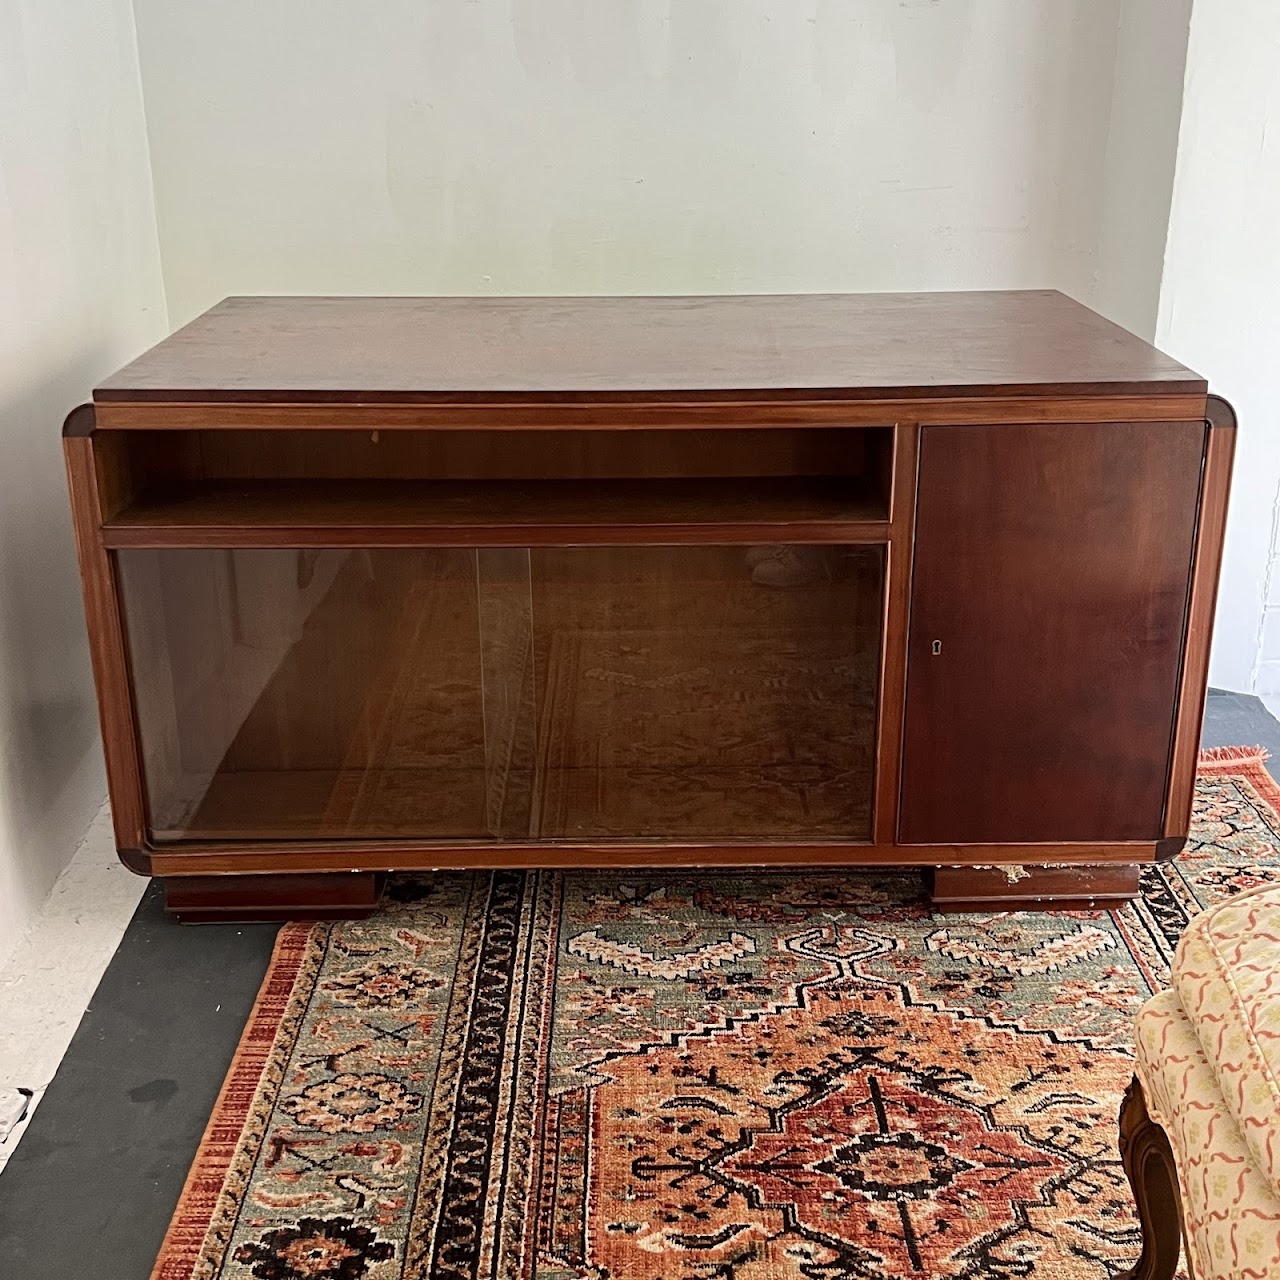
852,346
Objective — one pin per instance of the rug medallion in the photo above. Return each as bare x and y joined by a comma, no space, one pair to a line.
698,1076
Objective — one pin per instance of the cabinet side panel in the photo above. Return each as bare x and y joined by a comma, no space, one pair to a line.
106,648
1049,601
1219,456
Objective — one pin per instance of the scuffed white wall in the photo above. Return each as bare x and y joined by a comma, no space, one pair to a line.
1220,304
80,293
569,146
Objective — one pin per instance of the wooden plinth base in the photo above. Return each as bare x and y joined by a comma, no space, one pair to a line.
353,895
337,895
1033,888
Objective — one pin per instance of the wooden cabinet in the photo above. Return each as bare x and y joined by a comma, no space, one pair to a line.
384,584
1048,609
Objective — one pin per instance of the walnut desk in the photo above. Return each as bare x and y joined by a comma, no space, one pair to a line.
380,584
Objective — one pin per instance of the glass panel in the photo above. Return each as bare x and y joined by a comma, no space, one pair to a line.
508,683
602,693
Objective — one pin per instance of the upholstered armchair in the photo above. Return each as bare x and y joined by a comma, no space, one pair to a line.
1200,1125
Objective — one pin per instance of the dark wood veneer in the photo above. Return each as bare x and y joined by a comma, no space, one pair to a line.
306,896
1202,599
1051,574
1045,492
715,412
106,634
1148,1161
317,513
854,346
1082,888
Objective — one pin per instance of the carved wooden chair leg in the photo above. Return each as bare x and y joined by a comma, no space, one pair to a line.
1148,1161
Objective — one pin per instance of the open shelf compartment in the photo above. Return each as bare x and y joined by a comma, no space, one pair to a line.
492,488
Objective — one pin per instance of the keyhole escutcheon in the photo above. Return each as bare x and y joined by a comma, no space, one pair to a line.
936,648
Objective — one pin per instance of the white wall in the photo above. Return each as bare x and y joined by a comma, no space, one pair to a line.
566,146
520,146
80,292
1220,303
1137,177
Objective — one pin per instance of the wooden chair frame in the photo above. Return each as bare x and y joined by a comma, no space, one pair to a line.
1149,1164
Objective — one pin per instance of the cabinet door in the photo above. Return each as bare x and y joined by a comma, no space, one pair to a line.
1048,606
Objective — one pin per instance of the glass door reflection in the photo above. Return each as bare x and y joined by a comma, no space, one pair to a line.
581,694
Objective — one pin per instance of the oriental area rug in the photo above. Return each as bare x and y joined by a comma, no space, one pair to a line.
698,1076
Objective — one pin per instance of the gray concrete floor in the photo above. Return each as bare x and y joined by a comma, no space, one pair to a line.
92,1186
1240,720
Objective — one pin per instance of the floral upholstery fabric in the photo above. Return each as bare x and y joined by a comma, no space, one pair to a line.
1208,1057
1232,1213
1227,976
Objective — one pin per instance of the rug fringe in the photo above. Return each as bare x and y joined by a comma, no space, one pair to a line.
1237,755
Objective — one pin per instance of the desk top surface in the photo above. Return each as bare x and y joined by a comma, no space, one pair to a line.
853,346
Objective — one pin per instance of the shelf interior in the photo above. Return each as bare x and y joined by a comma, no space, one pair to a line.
811,484
555,507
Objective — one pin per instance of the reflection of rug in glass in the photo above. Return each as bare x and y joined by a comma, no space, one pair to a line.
589,693
625,693
654,1074
447,729
372,725
417,762
705,733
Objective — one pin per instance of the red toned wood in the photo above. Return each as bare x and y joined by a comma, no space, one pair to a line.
1042,513
719,411
1048,620
1210,531
471,513
1032,888
88,476
208,858
862,345
302,896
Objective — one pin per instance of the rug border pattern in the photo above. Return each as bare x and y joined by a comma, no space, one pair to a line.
276,1018
260,1054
